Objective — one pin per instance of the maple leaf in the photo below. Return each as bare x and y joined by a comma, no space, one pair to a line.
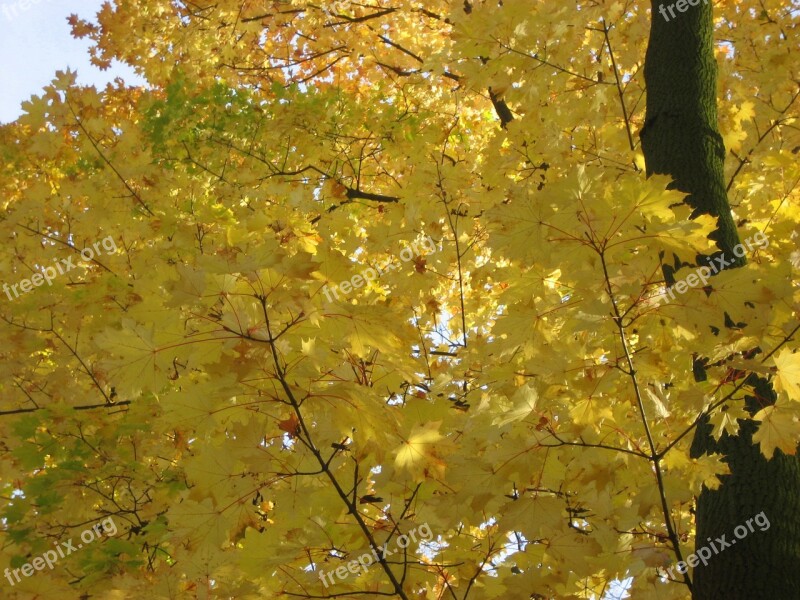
779,429
522,403
788,377
418,452
290,426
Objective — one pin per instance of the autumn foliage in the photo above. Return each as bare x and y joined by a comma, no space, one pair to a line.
512,389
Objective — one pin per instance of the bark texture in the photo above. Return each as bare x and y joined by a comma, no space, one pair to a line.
762,564
681,138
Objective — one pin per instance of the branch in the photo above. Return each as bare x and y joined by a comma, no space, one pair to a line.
707,412
654,456
361,19
582,444
18,411
619,86
108,162
296,11
352,194
63,243
305,432
501,108
535,57
746,159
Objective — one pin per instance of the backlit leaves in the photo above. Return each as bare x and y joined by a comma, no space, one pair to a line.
510,388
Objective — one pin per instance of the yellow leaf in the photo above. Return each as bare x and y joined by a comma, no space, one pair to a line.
727,420
522,403
590,411
780,428
788,378
417,453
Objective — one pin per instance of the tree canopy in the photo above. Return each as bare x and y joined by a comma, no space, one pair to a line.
349,272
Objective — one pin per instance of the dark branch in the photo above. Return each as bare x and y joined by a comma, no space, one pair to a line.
352,194
18,411
501,108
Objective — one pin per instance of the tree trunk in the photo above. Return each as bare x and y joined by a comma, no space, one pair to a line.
765,563
681,138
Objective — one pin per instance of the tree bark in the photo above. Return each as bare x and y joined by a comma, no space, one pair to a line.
764,563
681,138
